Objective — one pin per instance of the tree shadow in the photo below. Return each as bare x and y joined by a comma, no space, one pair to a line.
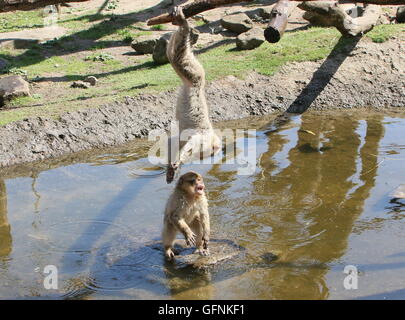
74,77
319,81
323,75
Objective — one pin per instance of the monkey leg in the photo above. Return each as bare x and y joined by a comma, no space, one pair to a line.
198,230
168,236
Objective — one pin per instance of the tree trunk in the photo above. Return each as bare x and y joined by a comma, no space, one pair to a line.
25,5
199,6
333,15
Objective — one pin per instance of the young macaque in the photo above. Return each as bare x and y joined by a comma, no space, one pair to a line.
187,212
191,109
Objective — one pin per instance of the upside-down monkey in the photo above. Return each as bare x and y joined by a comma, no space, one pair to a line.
191,110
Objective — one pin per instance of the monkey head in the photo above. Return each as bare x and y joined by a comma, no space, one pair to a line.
192,184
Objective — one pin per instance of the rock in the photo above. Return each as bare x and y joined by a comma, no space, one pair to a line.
317,19
401,14
250,40
221,250
3,64
145,44
385,18
80,84
92,80
237,23
13,87
262,12
159,53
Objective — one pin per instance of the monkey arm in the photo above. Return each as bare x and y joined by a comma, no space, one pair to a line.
182,226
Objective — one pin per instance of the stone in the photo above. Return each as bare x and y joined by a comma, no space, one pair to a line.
250,40
80,84
3,64
145,44
400,14
91,79
159,53
262,12
13,87
237,23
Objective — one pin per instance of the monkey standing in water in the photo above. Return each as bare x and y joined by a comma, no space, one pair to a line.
187,212
191,110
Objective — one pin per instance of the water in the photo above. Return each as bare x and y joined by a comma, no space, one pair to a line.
319,200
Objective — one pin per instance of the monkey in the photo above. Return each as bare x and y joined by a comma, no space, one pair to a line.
187,212
191,109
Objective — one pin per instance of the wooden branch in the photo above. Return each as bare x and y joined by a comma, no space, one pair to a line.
192,9
334,15
278,21
199,6
25,5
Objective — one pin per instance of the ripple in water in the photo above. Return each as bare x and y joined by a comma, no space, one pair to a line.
81,236
143,169
140,267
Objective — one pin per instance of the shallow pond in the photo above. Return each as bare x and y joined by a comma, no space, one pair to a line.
319,199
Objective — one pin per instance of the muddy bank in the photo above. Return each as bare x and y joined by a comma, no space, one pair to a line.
363,74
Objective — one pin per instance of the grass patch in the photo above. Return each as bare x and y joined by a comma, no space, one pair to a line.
200,23
385,32
158,27
103,57
18,20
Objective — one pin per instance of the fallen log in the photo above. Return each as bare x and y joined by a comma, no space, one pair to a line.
278,21
336,16
199,6
193,8
25,5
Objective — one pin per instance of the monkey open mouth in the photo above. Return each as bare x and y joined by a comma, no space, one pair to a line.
199,189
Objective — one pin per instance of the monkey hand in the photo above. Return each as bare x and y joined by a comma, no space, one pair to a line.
190,239
178,16
202,252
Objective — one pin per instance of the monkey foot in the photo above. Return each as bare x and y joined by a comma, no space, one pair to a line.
170,253
178,16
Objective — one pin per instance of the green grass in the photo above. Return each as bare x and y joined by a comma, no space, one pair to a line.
384,32
158,27
18,20
200,23
117,80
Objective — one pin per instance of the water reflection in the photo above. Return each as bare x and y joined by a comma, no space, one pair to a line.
5,231
314,178
320,195
96,223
